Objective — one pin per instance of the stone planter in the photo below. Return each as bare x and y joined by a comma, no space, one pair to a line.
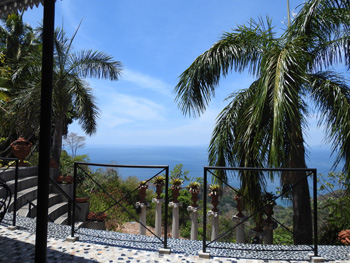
98,225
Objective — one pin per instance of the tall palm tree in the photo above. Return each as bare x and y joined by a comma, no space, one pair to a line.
263,124
20,48
72,96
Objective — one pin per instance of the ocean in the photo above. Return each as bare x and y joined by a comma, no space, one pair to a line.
193,158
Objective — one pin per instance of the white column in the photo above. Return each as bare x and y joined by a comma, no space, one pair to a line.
194,222
240,238
142,229
214,224
268,237
158,220
175,233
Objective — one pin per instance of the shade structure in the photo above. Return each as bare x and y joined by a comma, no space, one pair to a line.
8,6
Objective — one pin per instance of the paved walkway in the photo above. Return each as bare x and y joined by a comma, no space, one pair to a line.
18,246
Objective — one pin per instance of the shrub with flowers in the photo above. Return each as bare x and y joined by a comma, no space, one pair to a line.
100,216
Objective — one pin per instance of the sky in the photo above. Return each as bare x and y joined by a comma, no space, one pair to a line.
156,40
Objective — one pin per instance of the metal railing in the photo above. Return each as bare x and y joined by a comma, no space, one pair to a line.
4,204
31,205
259,208
164,168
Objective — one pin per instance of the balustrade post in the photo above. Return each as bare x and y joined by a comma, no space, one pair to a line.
239,219
158,219
214,193
194,222
143,206
175,233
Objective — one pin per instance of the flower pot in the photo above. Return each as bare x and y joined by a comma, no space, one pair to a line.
159,190
142,194
21,149
82,199
214,201
194,198
176,193
239,206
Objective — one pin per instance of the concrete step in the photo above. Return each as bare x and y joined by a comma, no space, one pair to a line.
54,198
23,183
22,197
58,210
9,174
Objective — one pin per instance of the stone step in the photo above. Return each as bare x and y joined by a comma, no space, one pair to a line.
58,210
54,198
23,183
9,174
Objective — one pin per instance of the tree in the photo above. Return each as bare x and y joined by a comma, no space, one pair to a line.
75,142
72,96
263,125
21,51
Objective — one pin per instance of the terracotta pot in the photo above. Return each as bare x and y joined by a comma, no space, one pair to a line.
214,202
239,206
69,179
59,179
194,198
176,194
21,149
142,194
159,190
82,199
269,213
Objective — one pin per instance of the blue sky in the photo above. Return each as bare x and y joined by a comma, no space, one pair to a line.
156,40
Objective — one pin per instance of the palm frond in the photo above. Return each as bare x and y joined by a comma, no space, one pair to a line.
95,64
240,50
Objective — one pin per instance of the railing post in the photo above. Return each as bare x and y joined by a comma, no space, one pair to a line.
166,207
15,196
315,212
74,195
205,210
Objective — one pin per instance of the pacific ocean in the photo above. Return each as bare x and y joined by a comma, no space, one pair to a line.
193,158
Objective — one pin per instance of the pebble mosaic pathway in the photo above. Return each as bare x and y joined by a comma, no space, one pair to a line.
18,246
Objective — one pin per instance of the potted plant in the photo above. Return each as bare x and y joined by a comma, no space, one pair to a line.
214,192
158,182
193,187
142,191
21,149
100,216
239,206
175,188
96,221
269,202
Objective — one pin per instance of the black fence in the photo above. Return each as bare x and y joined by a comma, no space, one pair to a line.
258,207
6,193
79,172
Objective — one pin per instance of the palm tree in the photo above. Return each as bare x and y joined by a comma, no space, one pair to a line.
263,124
72,96
20,48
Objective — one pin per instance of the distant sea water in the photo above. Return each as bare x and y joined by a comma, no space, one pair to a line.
193,158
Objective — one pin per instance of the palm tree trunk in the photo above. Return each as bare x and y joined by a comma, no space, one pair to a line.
302,219
57,139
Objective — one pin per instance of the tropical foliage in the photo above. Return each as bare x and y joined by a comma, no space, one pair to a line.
264,124
72,96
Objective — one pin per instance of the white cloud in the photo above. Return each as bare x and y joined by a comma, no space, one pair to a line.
119,109
146,82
